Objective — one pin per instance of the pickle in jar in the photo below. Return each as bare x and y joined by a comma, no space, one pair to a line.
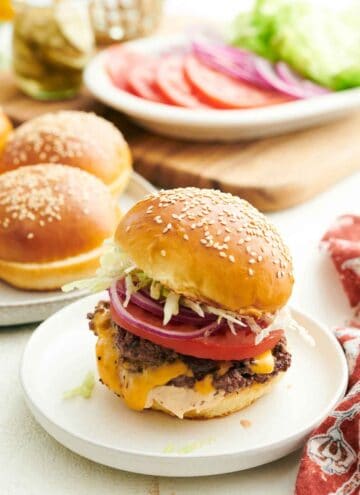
51,46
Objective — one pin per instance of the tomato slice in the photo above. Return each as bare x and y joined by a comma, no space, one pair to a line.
172,82
142,81
222,346
224,91
118,64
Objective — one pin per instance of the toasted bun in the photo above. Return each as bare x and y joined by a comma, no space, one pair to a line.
209,246
229,403
77,139
51,275
53,221
5,129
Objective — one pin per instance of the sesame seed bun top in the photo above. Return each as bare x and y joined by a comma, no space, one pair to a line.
52,212
73,138
209,246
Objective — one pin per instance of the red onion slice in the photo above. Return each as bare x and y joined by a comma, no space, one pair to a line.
292,78
154,329
267,72
222,58
144,301
249,67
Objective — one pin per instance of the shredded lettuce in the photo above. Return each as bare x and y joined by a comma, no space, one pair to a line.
284,320
227,315
321,43
171,307
155,290
84,390
196,307
130,289
114,264
188,448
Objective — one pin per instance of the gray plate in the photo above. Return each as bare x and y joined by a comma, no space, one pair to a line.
18,306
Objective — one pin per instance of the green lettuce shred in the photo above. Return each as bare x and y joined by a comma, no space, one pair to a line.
84,390
188,448
114,264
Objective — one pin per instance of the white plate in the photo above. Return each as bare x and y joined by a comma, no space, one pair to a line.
210,125
20,306
61,352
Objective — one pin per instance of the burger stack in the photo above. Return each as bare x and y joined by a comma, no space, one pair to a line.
195,323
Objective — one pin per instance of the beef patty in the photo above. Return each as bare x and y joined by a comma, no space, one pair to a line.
139,353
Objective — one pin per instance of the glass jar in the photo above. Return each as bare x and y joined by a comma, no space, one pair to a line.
122,20
52,42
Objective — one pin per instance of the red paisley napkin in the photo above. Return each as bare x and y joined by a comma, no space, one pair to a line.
330,464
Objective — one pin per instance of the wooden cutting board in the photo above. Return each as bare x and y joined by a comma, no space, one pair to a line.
273,173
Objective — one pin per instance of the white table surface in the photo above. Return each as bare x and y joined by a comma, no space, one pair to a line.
32,463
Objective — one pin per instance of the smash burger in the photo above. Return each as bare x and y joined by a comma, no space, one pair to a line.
194,327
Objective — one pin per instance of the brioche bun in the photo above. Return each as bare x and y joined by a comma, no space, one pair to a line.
209,246
73,138
225,405
5,129
53,221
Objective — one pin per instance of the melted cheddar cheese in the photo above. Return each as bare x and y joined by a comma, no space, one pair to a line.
107,353
263,364
223,368
136,386
204,386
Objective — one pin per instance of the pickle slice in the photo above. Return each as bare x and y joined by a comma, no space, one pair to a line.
74,23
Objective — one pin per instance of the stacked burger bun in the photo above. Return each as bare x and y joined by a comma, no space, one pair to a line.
76,139
60,175
5,129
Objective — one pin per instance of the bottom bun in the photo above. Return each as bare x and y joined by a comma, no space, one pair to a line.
120,183
52,275
226,404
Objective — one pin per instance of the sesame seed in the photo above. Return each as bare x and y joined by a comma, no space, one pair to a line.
206,209
30,235
127,228
167,228
186,237
163,252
